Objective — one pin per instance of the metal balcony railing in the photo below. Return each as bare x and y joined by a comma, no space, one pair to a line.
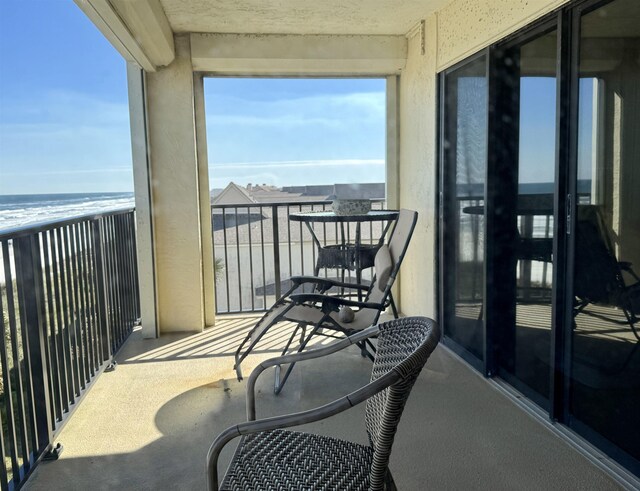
68,299
256,248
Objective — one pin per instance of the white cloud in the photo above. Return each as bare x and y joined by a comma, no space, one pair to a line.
296,164
329,110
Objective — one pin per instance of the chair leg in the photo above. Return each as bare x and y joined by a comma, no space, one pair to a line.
631,322
390,484
393,306
364,350
279,382
239,358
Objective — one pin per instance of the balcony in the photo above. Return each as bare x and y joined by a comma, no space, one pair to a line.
148,424
462,81
71,298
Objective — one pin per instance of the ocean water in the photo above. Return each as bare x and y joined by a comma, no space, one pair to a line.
30,209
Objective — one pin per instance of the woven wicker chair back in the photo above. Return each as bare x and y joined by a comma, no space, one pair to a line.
404,345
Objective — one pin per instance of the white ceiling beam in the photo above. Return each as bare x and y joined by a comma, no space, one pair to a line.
147,20
275,54
138,29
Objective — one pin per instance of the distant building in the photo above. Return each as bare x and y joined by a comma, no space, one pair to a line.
234,194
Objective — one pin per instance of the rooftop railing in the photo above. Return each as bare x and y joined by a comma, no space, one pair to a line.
257,247
68,299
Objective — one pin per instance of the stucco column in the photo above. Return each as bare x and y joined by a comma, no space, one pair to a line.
180,198
142,184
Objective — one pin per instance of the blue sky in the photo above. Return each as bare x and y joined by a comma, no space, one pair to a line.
64,123
295,131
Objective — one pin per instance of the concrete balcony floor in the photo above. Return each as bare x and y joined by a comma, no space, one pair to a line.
148,424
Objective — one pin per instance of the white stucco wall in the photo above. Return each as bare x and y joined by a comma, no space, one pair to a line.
456,31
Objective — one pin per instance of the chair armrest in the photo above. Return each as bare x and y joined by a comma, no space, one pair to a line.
293,419
626,266
333,301
299,280
295,357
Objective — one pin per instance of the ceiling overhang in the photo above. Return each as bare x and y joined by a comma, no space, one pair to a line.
287,55
302,37
138,29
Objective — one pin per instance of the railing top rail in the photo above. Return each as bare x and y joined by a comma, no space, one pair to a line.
282,203
15,232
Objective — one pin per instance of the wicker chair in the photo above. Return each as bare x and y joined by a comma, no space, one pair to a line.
269,457
321,311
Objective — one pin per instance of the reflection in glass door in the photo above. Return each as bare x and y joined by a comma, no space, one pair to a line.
605,358
526,147
464,155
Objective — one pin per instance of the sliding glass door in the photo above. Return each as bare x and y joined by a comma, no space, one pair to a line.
464,153
540,217
525,161
605,342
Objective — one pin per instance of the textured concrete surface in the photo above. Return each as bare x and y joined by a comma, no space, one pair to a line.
299,17
148,424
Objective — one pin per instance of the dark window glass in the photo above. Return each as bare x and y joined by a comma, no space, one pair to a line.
526,146
464,149
605,364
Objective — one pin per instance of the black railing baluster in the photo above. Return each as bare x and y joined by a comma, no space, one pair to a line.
88,312
115,298
117,261
238,262
6,379
301,243
78,311
129,231
96,301
134,258
4,483
120,276
112,276
126,259
61,318
82,315
313,249
253,306
101,293
54,380
264,274
21,417
25,286
276,251
289,240
226,257
72,305
29,273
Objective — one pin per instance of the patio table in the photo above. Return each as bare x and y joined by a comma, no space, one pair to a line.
354,256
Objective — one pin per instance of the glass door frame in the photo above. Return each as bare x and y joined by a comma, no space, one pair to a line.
443,234
503,191
567,19
573,17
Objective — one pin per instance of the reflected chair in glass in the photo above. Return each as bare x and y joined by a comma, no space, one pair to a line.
268,457
599,277
322,311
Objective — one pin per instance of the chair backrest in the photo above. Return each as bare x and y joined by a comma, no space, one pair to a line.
398,244
404,345
598,277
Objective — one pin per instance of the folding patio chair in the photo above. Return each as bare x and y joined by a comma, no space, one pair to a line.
599,275
322,311
269,457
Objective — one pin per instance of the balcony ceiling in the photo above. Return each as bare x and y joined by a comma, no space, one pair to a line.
298,16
